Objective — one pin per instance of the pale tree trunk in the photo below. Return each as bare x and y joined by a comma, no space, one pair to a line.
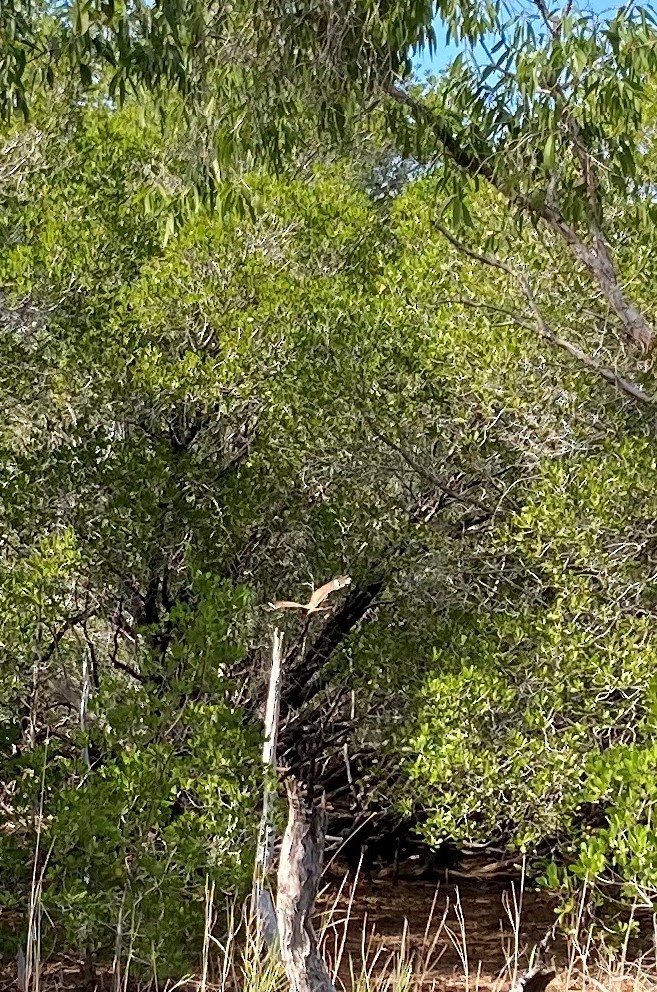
300,864
262,903
299,872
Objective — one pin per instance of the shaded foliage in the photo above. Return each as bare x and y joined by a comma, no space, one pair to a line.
199,421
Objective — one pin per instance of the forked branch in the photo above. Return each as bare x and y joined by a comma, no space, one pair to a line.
597,260
624,385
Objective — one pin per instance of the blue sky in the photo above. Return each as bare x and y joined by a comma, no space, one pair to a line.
445,53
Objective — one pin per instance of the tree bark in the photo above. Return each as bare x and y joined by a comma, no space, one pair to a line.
299,873
262,905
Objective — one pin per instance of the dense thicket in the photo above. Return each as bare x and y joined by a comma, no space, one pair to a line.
201,418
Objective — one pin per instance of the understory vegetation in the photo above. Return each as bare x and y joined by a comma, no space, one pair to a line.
354,348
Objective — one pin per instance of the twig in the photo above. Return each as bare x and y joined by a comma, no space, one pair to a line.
609,375
597,261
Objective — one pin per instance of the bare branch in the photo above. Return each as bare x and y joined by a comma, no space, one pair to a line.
631,389
430,477
67,625
597,261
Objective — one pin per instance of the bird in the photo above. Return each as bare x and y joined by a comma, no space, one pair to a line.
314,604
536,979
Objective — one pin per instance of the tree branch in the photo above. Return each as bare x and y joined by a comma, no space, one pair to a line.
598,262
67,625
335,632
430,477
609,375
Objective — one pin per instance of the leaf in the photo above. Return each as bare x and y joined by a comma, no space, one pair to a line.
81,18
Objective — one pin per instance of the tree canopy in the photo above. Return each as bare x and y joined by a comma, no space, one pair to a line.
422,357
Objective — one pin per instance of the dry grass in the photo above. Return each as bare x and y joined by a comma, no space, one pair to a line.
388,938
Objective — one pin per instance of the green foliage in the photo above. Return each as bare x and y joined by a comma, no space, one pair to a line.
159,424
153,826
621,782
198,419
148,802
540,714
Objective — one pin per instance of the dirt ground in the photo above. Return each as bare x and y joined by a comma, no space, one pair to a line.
451,931
460,934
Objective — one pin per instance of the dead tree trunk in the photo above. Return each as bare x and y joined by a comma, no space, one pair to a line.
262,904
299,872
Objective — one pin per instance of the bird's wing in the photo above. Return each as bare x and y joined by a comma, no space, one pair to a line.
320,594
288,604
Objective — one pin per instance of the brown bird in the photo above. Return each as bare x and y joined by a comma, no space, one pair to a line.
314,604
